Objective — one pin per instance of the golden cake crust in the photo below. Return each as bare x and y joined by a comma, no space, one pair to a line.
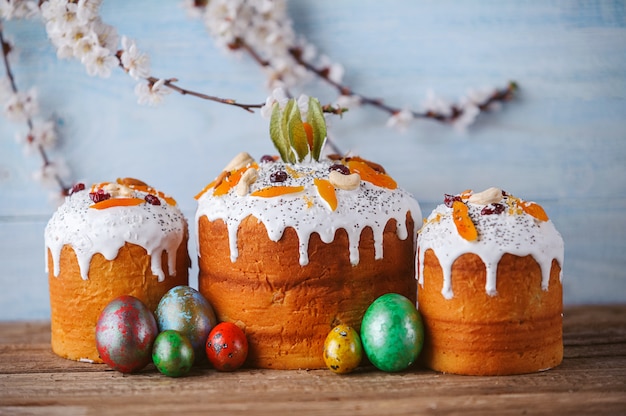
76,303
518,330
287,309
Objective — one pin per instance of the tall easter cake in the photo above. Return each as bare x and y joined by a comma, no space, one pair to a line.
290,248
490,293
109,240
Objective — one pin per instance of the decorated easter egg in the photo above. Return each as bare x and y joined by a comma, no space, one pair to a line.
185,310
172,353
342,349
125,332
227,347
392,332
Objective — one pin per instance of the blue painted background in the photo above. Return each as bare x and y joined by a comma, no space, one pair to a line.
561,143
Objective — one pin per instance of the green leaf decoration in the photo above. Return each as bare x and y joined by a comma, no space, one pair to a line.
289,136
297,135
280,140
291,157
315,117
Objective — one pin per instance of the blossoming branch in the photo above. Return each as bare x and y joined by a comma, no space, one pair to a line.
260,28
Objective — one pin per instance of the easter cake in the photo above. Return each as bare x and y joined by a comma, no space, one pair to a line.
490,294
290,247
109,240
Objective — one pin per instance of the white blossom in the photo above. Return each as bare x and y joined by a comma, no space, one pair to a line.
348,101
42,135
469,112
436,104
400,120
48,174
136,63
151,94
21,106
278,96
100,62
5,89
18,9
106,34
265,27
87,10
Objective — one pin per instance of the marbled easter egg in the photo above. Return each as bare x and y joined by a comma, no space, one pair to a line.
125,332
392,332
172,353
185,310
342,349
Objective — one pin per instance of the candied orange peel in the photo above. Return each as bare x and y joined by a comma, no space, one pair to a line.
371,175
117,202
535,210
273,191
327,192
463,222
225,181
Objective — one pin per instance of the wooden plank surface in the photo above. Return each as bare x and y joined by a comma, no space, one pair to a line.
591,380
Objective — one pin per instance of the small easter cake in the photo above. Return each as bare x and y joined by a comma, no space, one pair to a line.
290,247
490,294
109,240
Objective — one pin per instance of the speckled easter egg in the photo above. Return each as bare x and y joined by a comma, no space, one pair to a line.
392,332
172,353
342,349
227,347
125,332
185,310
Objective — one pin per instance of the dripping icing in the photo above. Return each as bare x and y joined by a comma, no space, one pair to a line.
513,232
307,213
156,228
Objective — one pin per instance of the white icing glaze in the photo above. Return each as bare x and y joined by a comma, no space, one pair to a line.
306,212
512,231
156,228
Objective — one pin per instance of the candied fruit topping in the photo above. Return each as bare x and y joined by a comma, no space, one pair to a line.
343,169
371,175
152,199
230,180
267,159
132,182
449,199
272,191
495,208
327,192
377,167
279,176
99,196
77,188
534,210
463,222
117,202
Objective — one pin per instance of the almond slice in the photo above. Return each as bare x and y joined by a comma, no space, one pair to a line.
486,197
345,182
242,160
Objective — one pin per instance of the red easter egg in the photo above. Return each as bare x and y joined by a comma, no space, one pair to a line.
227,347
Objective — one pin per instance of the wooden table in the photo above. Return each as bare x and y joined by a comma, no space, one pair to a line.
591,380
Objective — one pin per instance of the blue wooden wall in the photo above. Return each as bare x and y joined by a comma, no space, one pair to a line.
560,143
